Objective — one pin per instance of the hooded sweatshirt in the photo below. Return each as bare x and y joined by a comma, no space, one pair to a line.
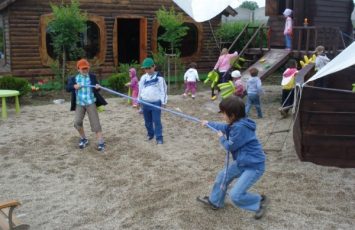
153,88
191,75
134,80
254,86
242,143
321,61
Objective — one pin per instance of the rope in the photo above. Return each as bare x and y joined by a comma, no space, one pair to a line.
188,117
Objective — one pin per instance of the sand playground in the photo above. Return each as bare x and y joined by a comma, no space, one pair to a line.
136,184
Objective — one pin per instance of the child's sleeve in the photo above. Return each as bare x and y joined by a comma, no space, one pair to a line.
236,140
70,84
197,78
259,87
140,87
218,126
185,76
218,63
163,91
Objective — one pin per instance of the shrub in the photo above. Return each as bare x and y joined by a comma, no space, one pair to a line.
15,83
50,85
117,81
227,32
124,67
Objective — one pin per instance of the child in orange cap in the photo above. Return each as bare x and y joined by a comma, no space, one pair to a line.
86,100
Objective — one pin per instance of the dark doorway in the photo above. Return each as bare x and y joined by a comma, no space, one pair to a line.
128,39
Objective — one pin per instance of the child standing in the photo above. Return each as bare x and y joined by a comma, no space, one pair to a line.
288,85
288,28
133,84
190,79
254,90
152,89
238,84
238,137
321,58
321,61
86,99
222,66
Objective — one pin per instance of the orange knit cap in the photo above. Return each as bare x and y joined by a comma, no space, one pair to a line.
82,64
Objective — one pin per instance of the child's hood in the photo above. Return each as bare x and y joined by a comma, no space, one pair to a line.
247,122
191,70
133,72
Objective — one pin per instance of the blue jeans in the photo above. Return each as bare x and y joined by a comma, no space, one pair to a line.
253,99
288,41
239,192
152,120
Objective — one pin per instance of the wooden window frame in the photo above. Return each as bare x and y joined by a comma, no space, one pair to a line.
199,27
6,67
97,60
142,40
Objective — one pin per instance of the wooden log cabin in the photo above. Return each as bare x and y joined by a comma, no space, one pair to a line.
329,24
118,31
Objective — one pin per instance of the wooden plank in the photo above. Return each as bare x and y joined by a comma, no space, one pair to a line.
273,59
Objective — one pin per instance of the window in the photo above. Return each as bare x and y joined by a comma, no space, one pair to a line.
2,42
92,41
89,42
190,44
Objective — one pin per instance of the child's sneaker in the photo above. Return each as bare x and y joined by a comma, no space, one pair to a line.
193,96
101,147
184,94
83,143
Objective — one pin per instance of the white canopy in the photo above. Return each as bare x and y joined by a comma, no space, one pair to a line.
203,10
343,60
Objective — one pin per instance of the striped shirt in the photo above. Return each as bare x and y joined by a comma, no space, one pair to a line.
84,95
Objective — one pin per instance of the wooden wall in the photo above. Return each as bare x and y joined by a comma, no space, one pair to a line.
6,63
24,18
332,13
324,129
320,13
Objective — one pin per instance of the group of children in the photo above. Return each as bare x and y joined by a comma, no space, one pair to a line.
237,135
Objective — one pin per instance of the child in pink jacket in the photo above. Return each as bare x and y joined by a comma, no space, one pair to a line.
133,84
223,66
288,28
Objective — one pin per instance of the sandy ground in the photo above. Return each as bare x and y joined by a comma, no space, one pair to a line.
139,185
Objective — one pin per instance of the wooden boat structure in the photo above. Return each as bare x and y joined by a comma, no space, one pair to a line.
324,125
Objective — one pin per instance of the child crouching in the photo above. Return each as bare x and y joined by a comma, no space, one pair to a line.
238,137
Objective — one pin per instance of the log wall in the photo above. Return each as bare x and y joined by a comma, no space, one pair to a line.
24,32
320,13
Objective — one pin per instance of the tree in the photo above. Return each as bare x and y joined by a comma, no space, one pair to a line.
251,5
172,22
64,28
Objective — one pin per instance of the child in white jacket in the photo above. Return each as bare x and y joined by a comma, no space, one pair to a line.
190,79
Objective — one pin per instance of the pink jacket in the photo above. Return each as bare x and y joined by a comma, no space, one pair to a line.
134,80
223,64
288,26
